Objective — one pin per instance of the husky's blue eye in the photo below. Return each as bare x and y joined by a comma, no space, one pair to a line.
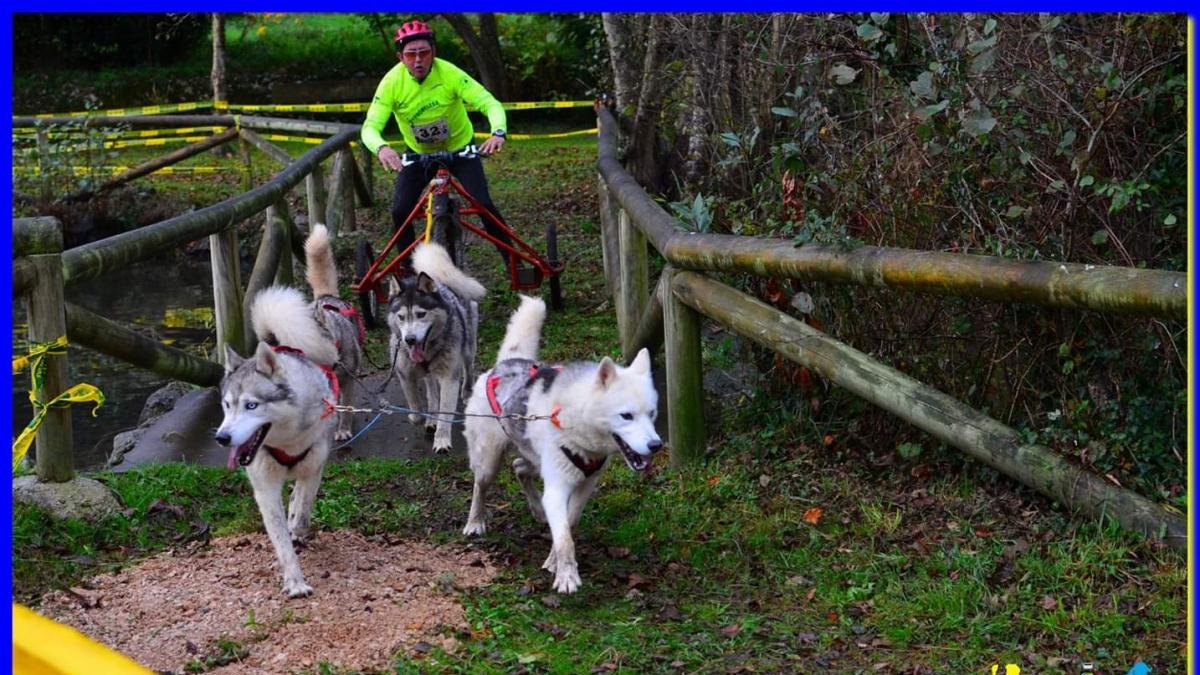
626,416
251,405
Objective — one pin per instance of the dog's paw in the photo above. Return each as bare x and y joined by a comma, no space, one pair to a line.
441,445
296,588
342,435
551,563
567,579
475,527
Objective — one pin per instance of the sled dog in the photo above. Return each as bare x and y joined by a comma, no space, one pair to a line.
280,419
433,316
582,413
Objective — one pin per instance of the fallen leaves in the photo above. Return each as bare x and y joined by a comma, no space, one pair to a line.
813,515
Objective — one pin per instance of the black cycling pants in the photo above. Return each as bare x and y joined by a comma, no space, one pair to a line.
412,181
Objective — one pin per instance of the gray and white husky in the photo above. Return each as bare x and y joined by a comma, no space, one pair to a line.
583,413
280,420
434,319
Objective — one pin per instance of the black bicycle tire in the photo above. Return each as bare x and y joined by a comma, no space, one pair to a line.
368,302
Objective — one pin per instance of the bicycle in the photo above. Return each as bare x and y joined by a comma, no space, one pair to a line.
443,204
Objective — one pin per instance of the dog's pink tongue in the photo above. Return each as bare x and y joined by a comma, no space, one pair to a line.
417,354
232,463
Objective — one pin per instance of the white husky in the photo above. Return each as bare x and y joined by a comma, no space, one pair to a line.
281,400
583,413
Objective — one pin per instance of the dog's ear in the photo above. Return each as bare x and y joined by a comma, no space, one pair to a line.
266,359
393,287
232,359
426,284
606,373
641,364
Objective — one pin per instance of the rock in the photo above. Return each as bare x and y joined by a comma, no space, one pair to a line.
184,434
79,498
163,401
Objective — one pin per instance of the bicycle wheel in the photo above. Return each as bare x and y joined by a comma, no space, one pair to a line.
556,299
446,230
368,301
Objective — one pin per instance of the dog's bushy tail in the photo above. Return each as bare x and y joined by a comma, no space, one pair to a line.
281,315
524,331
433,260
320,268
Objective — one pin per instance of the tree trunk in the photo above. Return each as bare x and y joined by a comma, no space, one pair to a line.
485,50
220,94
646,165
377,22
619,32
694,116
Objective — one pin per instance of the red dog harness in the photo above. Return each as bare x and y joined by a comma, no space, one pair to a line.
358,321
494,380
587,467
330,407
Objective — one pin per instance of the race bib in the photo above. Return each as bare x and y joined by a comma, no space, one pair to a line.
437,131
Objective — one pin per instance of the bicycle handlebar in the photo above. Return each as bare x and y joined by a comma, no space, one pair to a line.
443,157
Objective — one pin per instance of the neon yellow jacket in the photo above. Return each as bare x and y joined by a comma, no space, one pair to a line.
432,114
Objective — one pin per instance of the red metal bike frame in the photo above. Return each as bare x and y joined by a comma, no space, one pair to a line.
442,183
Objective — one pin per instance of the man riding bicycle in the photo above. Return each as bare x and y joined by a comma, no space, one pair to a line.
428,97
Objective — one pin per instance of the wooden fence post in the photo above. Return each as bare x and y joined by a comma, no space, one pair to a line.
314,186
685,376
248,161
350,179
339,212
286,274
227,292
47,322
43,150
368,161
266,264
333,208
609,235
631,294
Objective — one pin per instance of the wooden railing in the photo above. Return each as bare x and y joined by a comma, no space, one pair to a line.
41,268
671,315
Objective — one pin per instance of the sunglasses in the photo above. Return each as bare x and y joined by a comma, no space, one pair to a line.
416,55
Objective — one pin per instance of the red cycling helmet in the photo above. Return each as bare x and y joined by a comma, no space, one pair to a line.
413,30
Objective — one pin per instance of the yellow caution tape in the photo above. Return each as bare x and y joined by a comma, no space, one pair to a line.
118,169
133,112
300,107
42,646
528,105
526,137
36,362
126,143
225,106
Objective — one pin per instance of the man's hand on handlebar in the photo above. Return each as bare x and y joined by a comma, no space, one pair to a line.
492,145
390,159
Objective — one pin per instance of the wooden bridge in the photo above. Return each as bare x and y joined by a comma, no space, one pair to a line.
667,313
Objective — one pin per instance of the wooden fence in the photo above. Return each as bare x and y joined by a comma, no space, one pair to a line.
683,295
41,268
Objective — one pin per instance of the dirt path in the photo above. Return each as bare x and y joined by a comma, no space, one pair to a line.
221,605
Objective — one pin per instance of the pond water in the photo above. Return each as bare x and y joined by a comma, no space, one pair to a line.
170,299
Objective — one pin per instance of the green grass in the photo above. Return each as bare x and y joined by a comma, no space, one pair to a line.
711,569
